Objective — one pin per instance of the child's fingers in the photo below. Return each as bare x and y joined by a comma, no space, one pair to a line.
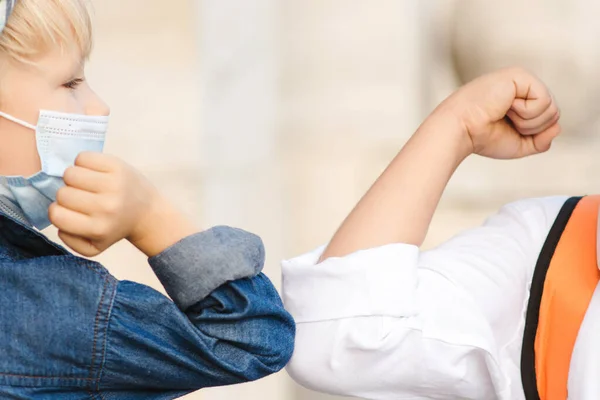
528,109
536,125
543,141
79,244
75,223
96,161
78,200
532,98
86,179
542,128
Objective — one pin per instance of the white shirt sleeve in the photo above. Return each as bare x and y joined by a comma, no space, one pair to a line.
393,322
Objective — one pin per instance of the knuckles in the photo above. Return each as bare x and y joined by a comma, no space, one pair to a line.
111,206
100,230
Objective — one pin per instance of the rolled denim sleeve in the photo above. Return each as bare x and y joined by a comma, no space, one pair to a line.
239,333
195,266
225,325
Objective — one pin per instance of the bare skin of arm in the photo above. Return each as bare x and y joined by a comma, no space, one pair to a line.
506,114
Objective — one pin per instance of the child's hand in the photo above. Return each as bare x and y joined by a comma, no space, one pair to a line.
506,114
104,201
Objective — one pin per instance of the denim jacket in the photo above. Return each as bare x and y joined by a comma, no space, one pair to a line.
70,330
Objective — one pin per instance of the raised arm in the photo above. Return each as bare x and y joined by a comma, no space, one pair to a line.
399,206
379,319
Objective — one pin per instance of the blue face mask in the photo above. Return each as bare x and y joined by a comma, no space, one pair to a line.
60,137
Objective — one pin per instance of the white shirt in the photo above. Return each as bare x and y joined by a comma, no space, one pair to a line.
397,323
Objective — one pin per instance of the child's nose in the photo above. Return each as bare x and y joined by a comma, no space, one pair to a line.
97,106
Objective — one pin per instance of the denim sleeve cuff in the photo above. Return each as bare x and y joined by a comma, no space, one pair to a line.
375,282
198,264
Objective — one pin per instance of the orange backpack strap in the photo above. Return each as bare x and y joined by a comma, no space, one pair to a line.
564,281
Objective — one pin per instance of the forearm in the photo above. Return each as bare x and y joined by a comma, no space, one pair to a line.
191,264
400,204
164,226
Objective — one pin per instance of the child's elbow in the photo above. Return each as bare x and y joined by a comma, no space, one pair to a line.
284,346
278,346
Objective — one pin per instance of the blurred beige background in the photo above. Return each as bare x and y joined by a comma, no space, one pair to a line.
275,116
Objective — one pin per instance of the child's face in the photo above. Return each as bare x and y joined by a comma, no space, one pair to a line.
55,82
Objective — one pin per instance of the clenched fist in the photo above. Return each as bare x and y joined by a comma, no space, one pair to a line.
506,114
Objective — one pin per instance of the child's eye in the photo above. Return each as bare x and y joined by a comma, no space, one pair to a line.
73,84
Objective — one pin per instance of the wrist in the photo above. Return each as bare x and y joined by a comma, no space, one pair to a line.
160,227
447,128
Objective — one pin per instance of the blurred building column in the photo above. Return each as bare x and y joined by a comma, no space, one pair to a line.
239,65
352,93
557,41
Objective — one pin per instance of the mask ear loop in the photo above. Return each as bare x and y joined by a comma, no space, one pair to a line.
17,121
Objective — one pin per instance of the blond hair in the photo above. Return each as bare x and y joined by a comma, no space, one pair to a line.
37,26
